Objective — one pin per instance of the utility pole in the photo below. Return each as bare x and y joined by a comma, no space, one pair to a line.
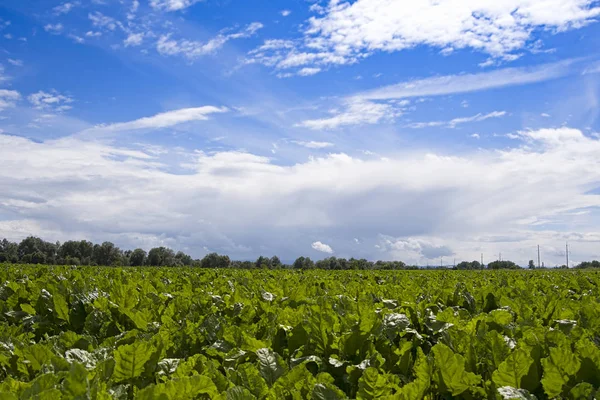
539,265
441,262
567,253
481,260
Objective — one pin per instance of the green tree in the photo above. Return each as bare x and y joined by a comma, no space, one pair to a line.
531,264
161,256
213,260
503,265
9,251
107,254
183,259
304,263
275,262
137,258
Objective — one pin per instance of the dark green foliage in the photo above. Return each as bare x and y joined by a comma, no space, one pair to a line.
502,265
190,333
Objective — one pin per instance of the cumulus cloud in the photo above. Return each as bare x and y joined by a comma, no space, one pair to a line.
54,28
172,5
8,98
419,247
51,100
193,49
344,32
322,247
354,112
414,205
285,13
134,39
65,8
162,120
100,20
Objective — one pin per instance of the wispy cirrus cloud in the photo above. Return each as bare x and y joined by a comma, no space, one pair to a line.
192,49
457,121
474,82
313,144
386,103
354,112
161,120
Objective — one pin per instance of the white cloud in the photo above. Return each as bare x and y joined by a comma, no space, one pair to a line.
134,39
65,8
8,98
15,62
50,100
451,84
93,34
356,112
309,71
54,28
476,136
192,49
368,107
545,115
3,77
344,32
77,39
593,68
418,247
312,144
285,13
100,20
457,121
422,204
163,120
172,5
322,247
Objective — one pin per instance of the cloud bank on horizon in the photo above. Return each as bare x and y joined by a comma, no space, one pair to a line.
371,128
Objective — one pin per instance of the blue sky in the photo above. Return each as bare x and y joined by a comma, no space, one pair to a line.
368,128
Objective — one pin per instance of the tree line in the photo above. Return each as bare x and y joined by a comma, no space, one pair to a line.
33,250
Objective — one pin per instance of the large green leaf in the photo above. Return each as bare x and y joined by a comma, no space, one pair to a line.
271,365
450,371
418,388
559,368
130,360
61,307
239,393
372,385
76,384
513,369
251,379
180,389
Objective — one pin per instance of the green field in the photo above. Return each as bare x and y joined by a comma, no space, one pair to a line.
188,333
